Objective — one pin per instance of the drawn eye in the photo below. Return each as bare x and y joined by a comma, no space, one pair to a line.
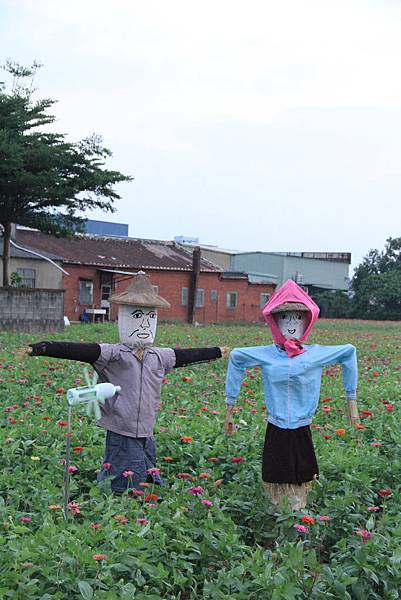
137,314
152,314
283,317
299,317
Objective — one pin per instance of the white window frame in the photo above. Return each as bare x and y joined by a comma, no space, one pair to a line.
90,287
264,298
199,298
184,296
229,297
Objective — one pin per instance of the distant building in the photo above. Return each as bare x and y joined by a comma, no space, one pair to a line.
98,265
317,271
93,227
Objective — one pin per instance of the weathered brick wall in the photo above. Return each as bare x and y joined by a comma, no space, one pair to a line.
170,284
31,310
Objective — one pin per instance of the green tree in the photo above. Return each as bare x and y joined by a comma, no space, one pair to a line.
377,283
46,182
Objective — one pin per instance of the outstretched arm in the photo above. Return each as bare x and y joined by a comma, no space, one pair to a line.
187,356
88,353
345,356
240,360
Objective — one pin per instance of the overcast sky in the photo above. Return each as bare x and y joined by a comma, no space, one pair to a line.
259,125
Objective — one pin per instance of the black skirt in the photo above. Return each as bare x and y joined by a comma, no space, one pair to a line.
289,455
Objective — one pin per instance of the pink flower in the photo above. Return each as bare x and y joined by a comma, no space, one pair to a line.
72,469
128,473
207,503
25,519
373,508
184,475
95,526
324,518
376,444
153,471
99,556
196,490
142,521
74,508
106,465
366,535
301,528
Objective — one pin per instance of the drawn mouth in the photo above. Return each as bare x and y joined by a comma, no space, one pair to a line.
291,331
142,335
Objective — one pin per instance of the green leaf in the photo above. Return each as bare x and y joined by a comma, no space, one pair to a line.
86,590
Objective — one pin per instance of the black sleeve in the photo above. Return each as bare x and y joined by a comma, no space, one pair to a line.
186,356
88,353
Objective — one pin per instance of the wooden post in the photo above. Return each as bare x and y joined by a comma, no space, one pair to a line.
193,283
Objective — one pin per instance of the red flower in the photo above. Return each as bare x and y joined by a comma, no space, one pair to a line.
78,449
99,556
237,459
184,476
95,526
389,407
106,465
151,497
60,391
62,423
186,379
186,438
385,492
168,458
142,521
307,519
366,413
214,459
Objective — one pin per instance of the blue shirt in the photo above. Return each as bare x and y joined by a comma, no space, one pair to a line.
291,385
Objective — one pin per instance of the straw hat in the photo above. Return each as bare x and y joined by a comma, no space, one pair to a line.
287,306
140,292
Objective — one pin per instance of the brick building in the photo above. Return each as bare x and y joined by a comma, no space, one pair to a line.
98,265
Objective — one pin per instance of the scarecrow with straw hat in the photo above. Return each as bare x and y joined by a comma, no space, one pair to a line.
138,368
291,372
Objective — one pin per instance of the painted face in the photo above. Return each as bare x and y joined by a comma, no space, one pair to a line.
292,324
137,325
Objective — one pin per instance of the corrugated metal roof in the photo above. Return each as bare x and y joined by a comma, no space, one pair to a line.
17,253
132,253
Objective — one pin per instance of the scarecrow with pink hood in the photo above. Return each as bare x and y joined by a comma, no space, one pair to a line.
291,373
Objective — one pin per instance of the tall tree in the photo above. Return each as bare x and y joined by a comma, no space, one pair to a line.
46,182
377,283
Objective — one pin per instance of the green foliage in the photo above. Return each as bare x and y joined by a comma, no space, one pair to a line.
242,547
47,182
334,304
377,284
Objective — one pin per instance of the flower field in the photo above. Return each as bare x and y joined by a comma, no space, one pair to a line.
210,532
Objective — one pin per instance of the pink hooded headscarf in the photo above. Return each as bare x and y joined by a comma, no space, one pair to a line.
290,292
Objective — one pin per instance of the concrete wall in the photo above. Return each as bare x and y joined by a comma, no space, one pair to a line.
47,276
31,310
